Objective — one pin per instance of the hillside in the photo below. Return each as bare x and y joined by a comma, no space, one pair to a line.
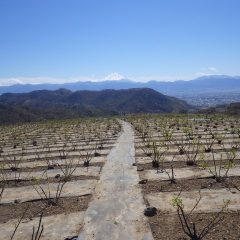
62,103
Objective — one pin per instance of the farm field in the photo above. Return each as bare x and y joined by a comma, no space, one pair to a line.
51,169
189,168
143,177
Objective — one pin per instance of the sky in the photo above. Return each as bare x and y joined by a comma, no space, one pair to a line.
76,40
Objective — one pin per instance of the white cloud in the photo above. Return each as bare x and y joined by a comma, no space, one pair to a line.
213,69
112,76
38,80
34,80
10,81
207,71
164,78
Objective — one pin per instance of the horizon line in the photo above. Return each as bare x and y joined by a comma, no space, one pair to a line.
14,81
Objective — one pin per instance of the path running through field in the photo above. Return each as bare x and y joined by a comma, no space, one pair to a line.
116,211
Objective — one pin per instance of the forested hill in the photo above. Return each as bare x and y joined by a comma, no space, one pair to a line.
62,103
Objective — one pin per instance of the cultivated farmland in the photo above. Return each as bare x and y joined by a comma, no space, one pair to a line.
48,173
190,171
142,177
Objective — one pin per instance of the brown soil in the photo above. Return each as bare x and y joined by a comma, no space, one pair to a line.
172,144
21,183
167,226
148,166
65,205
48,158
171,153
42,168
30,152
190,185
180,164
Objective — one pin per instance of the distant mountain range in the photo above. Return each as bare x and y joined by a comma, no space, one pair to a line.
205,84
63,103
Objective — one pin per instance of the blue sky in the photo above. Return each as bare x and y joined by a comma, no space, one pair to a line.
69,40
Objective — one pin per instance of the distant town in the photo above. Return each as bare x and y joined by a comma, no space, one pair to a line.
204,100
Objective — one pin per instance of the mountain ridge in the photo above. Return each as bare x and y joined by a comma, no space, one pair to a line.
204,84
62,103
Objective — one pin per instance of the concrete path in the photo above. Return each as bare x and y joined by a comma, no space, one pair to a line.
116,211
